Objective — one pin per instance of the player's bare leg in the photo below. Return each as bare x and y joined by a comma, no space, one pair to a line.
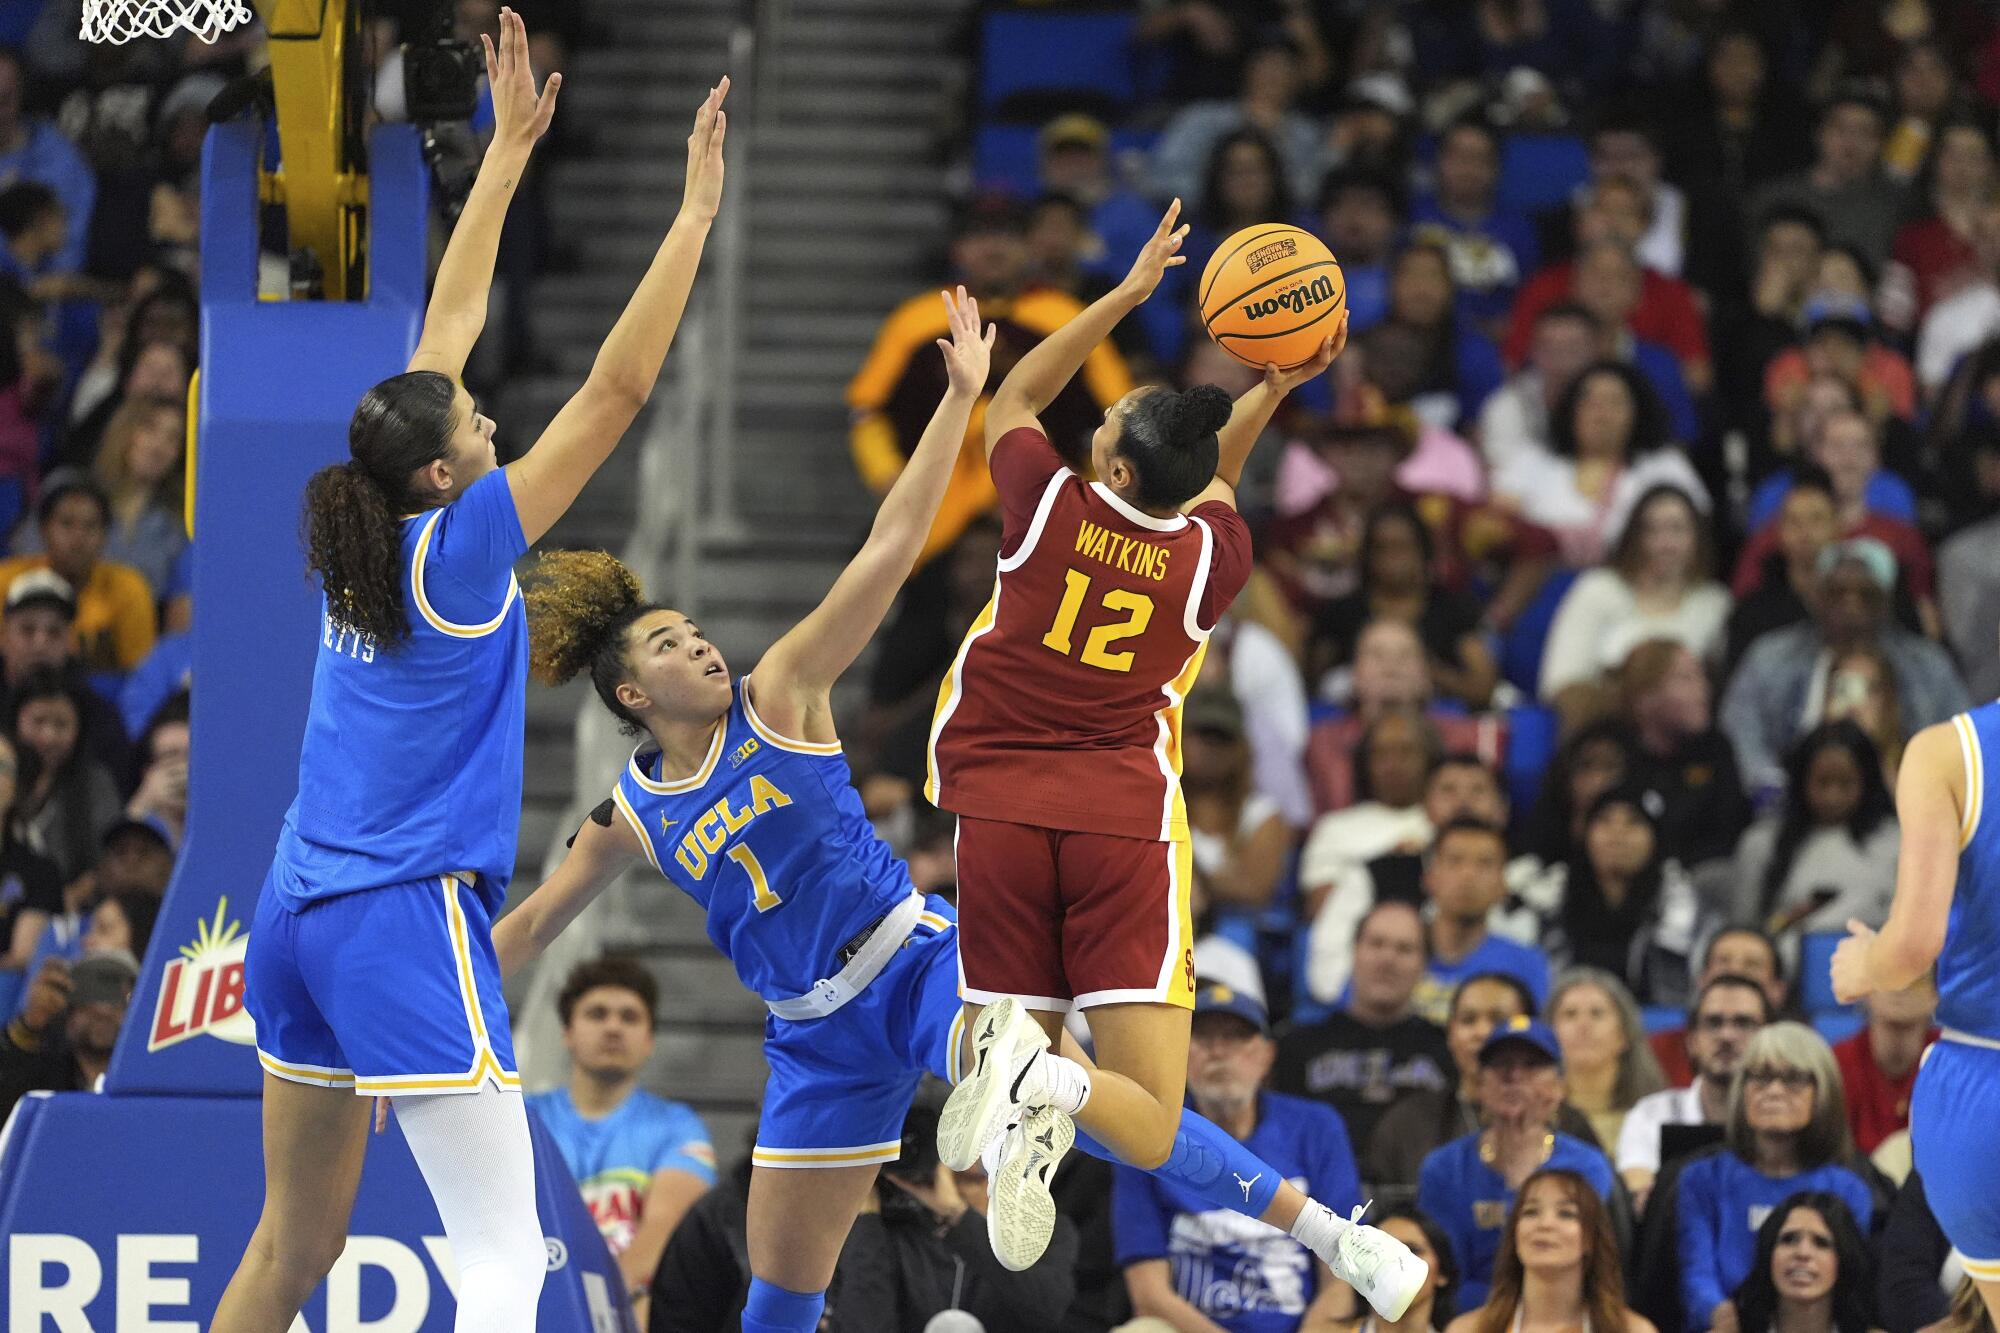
314,1142
798,1220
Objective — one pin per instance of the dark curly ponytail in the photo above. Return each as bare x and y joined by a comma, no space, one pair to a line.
580,604
351,526
1170,440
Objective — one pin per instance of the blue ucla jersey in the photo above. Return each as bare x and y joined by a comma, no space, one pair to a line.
1968,970
770,838
411,766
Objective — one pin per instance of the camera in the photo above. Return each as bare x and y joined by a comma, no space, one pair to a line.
441,80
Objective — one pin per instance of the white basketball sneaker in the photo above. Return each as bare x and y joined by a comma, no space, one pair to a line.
1005,1042
1020,1211
1383,1269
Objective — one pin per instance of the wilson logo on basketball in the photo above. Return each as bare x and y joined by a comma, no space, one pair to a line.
201,992
1271,254
1301,297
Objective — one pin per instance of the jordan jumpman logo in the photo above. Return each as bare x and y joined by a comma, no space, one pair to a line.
1246,1184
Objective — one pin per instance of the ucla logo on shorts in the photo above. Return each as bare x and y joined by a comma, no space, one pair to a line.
742,752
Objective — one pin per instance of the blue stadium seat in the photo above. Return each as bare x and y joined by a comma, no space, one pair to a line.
1815,979
1538,172
1023,53
1838,1025
1532,738
1521,648
1661,1018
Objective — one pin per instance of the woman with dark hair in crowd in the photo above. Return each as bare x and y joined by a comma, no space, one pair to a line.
31,889
1812,1273
1786,1131
122,920
1450,368
74,800
1659,584
1244,186
1607,439
1626,907
1399,582
1829,856
1597,757
1434,1305
417,717
1861,688
1558,1265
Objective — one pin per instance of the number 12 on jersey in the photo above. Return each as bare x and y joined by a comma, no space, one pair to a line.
1138,610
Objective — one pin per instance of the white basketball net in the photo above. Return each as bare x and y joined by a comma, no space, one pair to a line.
117,21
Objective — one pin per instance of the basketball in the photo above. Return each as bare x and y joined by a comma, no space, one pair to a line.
1271,294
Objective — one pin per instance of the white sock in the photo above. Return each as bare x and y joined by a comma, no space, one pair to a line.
477,1158
1055,1080
1317,1227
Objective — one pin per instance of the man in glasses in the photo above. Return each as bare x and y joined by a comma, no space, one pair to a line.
1727,1013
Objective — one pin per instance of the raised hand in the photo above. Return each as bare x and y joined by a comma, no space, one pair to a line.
520,114
1160,253
1284,381
968,352
702,195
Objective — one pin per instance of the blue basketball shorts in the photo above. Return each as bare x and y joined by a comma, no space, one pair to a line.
841,1085
1953,1110
387,991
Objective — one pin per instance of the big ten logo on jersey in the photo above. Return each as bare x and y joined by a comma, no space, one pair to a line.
723,821
742,752
147,1279
201,992
343,638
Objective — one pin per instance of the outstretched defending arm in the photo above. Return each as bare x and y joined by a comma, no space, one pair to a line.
457,311
599,855
1039,376
548,479
794,677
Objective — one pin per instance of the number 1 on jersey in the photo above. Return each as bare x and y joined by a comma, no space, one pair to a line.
1076,587
761,898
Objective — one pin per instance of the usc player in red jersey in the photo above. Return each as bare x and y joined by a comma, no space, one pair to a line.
1057,744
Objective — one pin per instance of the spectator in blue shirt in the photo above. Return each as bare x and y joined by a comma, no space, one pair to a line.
1786,1132
1492,248
1360,213
1200,1267
641,1162
1558,1265
32,148
1465,877
1468,1186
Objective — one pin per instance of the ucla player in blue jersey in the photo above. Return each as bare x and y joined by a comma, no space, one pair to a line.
1946,914
739,795
371,969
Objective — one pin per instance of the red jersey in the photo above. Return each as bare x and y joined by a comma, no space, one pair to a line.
1062,709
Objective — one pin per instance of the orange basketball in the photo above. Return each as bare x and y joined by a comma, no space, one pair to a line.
1271,294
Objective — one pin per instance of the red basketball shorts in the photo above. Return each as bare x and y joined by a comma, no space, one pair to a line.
1058,918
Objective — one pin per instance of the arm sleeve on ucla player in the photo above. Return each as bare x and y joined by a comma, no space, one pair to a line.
1230,561
684,1145
470,563
1139,1217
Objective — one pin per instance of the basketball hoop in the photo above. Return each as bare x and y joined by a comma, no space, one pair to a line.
115,21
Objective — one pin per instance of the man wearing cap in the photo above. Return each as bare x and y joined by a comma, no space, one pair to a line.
1467,1187
1777,691
62,1040
115,617
1200,1267
1074,155
891,397
37,630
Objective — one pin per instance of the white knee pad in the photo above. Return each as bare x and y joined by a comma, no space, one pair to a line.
474,1151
